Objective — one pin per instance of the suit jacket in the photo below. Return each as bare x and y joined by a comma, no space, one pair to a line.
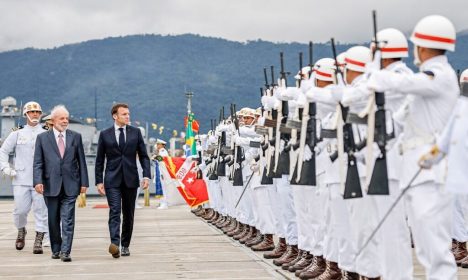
52,171
121,165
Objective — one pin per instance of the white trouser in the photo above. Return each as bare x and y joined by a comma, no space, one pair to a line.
212,195
275,201
459,229
264,195
286,205
429,211
363,218
339,246
25,197
393,236
244,211
317,210
300,208
224,191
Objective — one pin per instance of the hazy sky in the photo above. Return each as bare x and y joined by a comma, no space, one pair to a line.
51,23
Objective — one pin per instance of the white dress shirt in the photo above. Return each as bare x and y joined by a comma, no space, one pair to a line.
117,132
64,133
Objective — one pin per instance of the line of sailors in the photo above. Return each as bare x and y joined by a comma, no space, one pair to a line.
320,234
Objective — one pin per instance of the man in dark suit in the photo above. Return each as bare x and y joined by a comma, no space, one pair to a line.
60,174
119,146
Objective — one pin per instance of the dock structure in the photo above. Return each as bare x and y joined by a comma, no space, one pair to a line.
166,244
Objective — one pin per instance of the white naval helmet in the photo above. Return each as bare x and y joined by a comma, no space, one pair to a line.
392,43
464,77
357,57
324,69
434,32
159,141
303,74
341,60
32,106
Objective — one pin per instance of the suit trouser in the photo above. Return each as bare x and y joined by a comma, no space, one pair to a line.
121,201
61,210
286,205
429,211
459,229
25,197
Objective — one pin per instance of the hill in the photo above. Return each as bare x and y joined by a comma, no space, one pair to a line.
151,73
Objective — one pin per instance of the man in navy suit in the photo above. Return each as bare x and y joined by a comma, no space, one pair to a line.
119,146
60,174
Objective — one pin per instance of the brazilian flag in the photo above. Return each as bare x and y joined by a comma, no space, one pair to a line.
190,137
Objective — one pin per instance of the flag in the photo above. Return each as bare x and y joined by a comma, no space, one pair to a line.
192,189
190,137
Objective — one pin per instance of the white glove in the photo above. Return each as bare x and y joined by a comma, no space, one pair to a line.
434,156
261,121
292,105
307,85
254,166
301,101
268,102
374,65
307,153
9,171
379,81
291,93
337,93
282,144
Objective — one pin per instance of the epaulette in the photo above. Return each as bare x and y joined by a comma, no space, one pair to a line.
429,73
17,128
46,127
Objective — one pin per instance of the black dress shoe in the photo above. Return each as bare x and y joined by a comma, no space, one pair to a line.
65,257
125,252
56,255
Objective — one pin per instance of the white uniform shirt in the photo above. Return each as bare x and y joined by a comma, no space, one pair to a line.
434,93
22,142
454,142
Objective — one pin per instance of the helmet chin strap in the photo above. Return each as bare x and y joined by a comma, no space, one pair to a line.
34,121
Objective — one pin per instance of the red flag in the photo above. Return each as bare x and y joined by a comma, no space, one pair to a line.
195,124
193,190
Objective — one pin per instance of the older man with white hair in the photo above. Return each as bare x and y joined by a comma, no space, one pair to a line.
60,174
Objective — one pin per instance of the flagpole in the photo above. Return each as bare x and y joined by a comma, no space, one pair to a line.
189,96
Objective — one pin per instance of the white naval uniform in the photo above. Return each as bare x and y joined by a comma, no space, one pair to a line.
394,234
338,243
454,143
246,204
434,93
285,201
22,143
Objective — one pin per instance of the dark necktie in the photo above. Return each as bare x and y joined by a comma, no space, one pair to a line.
121,139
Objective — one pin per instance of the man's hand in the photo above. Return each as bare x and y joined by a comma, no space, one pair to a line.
100,188
145,183
434,156
84,189
9,171
39,188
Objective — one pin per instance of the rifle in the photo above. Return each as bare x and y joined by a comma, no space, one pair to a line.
266,180
379,181
220,166
272,132
352,184
282,159
238,153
